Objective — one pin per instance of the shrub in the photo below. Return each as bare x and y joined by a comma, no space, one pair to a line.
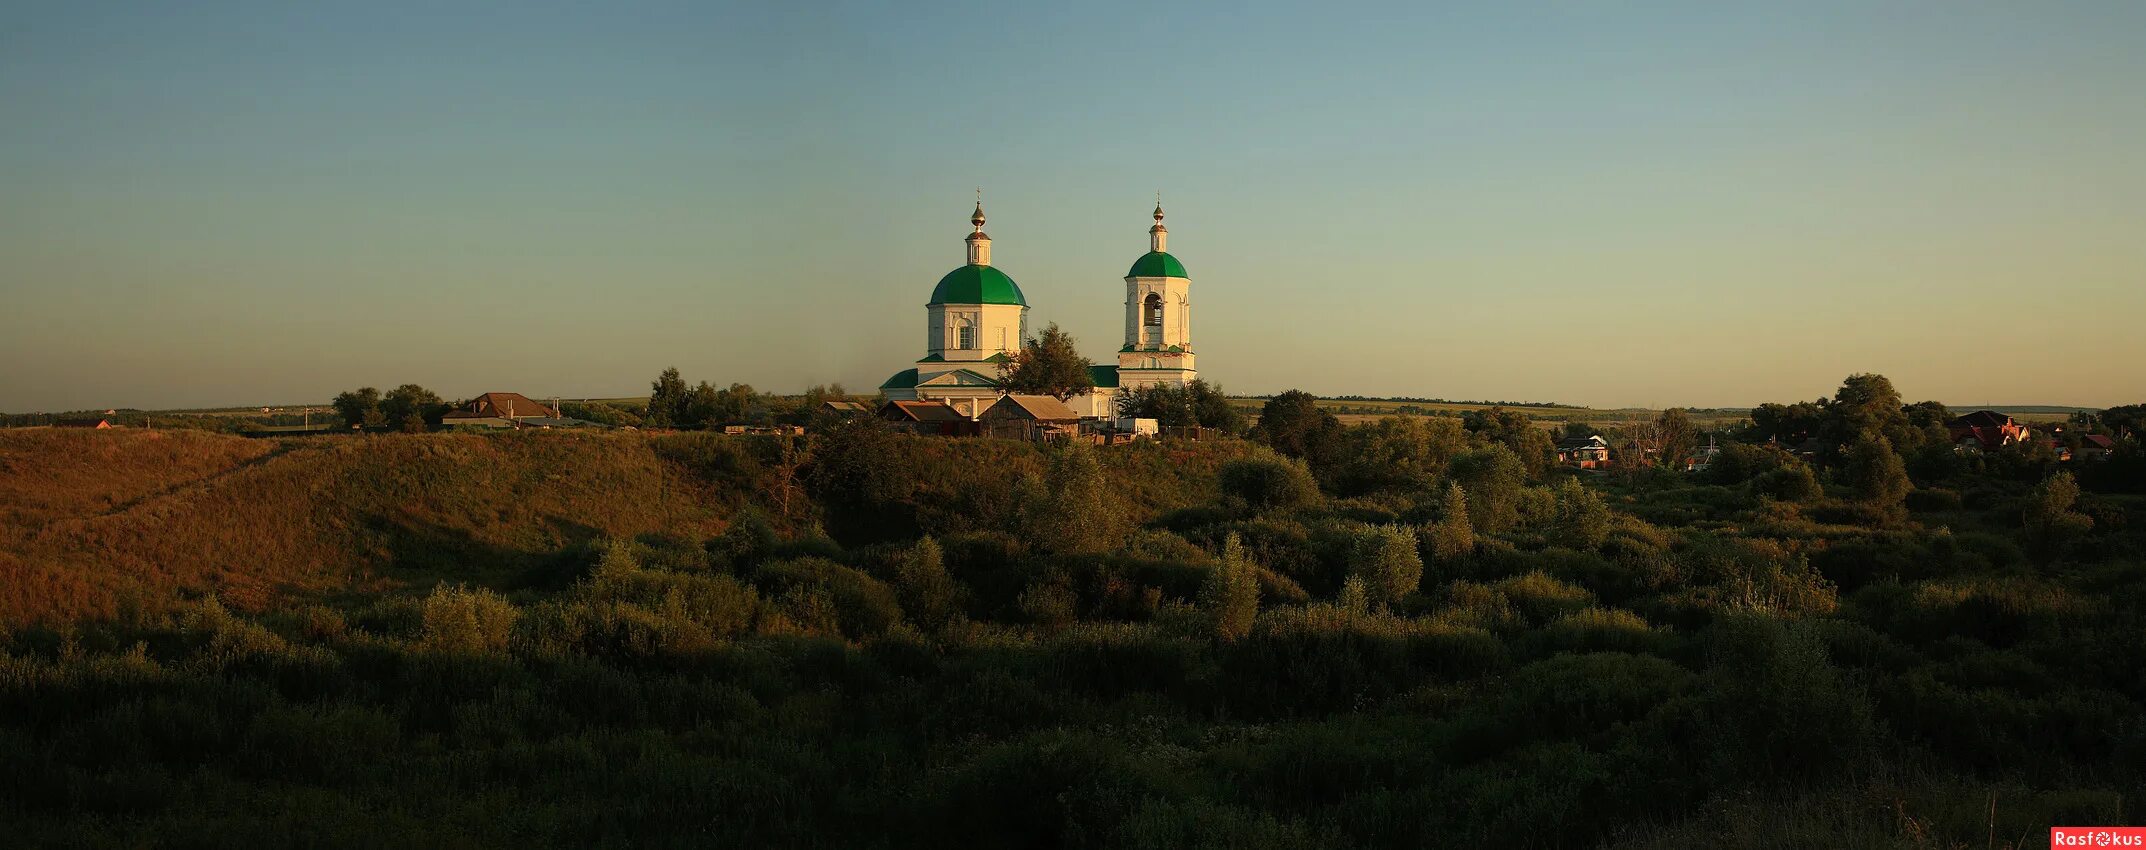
462,621
1596,629
1387,563
1231,595
1541,598
1267,481
1794,483
812,587
927,592
1453,535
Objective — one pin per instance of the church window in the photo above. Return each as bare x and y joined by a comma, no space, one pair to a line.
964,333
1153,311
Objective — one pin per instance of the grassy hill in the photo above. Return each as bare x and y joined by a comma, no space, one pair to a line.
94,524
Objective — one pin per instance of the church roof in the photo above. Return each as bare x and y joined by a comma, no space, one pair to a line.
1157,264
903,380
977,284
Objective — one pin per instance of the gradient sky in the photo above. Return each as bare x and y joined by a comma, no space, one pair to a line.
1705,203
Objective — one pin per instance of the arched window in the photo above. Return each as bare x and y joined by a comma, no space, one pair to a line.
1151,320
964,333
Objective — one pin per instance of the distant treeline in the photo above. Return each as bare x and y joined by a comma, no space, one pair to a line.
1420,400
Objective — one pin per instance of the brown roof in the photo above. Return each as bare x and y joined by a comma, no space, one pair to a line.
1041,408
82,423
502,406
1981,419
2098,441
844,407
921,411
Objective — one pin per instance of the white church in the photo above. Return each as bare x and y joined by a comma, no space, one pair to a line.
977,317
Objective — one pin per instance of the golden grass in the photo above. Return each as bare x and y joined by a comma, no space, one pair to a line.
103,521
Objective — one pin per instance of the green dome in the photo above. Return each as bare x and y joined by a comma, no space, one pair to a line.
1157,264
974,284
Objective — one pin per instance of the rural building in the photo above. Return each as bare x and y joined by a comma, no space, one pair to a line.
504,410
99,424
2095,447
977,317
1030,417
1584,452
1985,430
927,417
844,409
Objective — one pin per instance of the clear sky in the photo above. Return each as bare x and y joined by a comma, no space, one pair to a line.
1614,204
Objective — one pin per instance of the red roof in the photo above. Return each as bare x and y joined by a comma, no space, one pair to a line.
2098,441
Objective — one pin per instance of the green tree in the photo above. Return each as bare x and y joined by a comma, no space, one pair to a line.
360,408
666,401
1583,518
1267,481
1868,403
1677,437
1875,472
2049,515
1073,508
408,401
1396,453
702,407
1494,479
927,592
1531,445
1230,595
1387,561
1050,364
1293,424
1452,536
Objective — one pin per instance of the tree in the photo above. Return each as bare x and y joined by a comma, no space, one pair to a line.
1576,430
666,401
1293,424
1387,562
1211,407
1397,453
1196,403
1049,364
360,408
1451,536
409,401
1266,481
1517,431
1875,472
1788,424
2049,516
1583,518
1230,595
927,592
1869,403
1676,437
1073,508
1494,479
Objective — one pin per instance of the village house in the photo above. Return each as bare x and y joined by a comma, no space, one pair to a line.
1591,452
1985,430
504,410
934,417
2095,447
99,424
1030,417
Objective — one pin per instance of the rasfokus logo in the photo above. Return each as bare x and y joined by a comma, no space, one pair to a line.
2097,836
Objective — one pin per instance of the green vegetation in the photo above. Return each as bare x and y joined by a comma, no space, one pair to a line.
1397,634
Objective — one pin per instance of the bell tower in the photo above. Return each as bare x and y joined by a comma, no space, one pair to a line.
1158,316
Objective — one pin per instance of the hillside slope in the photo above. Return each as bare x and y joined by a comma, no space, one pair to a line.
103,523
99,524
